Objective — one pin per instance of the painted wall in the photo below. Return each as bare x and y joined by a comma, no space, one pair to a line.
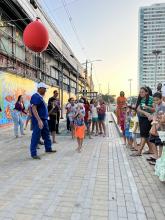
11,86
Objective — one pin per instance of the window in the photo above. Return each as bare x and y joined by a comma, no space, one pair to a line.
54,73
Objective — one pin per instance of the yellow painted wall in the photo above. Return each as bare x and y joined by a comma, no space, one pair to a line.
11,86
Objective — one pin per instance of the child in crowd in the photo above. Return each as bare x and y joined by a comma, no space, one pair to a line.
156,129
134,129
128,126
157,136
160,163
94,117
122,122
79,125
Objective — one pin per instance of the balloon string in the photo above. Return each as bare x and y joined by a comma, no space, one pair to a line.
21,19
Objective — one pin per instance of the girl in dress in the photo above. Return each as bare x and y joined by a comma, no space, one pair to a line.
79,125
122,122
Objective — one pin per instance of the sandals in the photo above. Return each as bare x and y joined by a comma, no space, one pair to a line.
151,159
152,163
133,149
147,152
136,155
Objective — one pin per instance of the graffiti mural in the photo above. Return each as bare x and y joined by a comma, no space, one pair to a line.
11,86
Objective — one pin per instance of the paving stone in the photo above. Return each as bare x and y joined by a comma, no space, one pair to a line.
23,217
102,182
113,215
132,216
122,212
97,218
159,215
102,213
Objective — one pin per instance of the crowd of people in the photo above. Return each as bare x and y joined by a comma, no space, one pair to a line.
144,121
82,118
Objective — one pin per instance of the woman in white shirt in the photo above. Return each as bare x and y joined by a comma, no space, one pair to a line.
95,117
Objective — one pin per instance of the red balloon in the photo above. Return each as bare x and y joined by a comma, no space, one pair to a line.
36,37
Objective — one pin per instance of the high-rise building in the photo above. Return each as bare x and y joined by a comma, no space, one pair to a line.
152,45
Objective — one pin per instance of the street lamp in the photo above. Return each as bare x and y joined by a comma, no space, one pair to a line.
86,71
156,53
92,61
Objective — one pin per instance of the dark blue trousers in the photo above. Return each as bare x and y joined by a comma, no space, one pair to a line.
37,133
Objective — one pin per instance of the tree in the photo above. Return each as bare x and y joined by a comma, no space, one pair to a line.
108,98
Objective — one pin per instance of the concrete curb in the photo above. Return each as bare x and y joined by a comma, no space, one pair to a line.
115,121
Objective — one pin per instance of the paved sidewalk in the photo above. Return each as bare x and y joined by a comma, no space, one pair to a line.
101,183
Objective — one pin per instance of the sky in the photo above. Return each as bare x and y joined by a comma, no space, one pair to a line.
107,30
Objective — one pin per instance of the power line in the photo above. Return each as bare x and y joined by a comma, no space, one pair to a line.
54,20
44,2
73,25
70,20
68,3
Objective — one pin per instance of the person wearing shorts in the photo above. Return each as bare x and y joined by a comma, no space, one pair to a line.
101,117
145,108
94,110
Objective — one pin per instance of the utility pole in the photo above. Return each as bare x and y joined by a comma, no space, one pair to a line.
91,78
86,73
86,76
130,86
77,83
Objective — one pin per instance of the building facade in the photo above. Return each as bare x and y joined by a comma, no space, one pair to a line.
21,69
152,45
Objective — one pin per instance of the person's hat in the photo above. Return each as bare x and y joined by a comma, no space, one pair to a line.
42,85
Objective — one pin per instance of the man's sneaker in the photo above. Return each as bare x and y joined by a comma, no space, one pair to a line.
51,151
36,157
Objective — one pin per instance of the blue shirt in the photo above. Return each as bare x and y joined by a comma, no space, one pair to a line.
42,109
